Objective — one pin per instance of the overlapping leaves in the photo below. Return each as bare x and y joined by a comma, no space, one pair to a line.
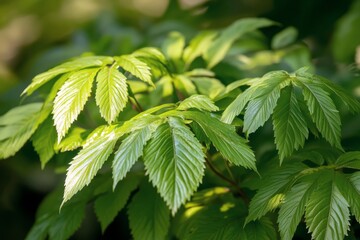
278,93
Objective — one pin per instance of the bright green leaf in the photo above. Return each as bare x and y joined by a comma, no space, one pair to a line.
71,99
77,64
73,140
290,128
200,102
111,92
173,45
349,160
198,45
175,162
136,67
149,218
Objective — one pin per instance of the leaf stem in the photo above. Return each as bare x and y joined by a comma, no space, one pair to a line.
134,101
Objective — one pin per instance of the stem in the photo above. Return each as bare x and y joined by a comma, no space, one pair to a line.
231,182
134,101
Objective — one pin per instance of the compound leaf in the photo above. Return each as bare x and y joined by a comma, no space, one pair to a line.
136,67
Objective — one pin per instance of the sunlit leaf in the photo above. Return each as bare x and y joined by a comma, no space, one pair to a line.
198,45
136,67
111,92
173,45
175,162
200,102
71,99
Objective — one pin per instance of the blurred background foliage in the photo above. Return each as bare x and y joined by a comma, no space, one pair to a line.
36,35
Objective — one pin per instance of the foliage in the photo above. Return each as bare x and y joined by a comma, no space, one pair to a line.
167,117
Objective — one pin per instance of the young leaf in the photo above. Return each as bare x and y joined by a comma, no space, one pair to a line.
130,150
16,127
200,102
136,67
272,191
323,111
149,218
71,99
108,205
175,162
77,64
225,139
261,107
293,209
198,45
349,160
221,45
153,58
327,213
111,92
89,160
290,128
73,140
173,45
184,84
44,140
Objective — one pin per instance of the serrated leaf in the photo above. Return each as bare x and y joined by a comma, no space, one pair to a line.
111,92
350,192
76,64
262,229
108,205
130,150
149,217
200,102
261,107
44,140
136,67
67,222
225,139
71,99
39,230
208,86
16,127
290,128
221,45
198,45
175,162
153,58
349,160
327,213
73,140
173,45
323,111
184,85
350,102
89,160
293,208
272,191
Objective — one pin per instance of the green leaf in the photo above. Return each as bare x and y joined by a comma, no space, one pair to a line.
349,160
327,212
225,139
73,140
173,45
44,140
272,191
67,222
200,102
208,86
111,92
290,128
153,58
39,230
16,127
262,229
198,45
221,45
261,107
130,150
350,102
71,99
284,38
77,64
108,205
184,85
149,218
175,162
323,111
136,67
89,160
293,208
350,192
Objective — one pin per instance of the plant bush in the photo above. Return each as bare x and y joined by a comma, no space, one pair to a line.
167,133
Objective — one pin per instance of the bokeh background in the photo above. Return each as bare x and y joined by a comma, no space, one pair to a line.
36,35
